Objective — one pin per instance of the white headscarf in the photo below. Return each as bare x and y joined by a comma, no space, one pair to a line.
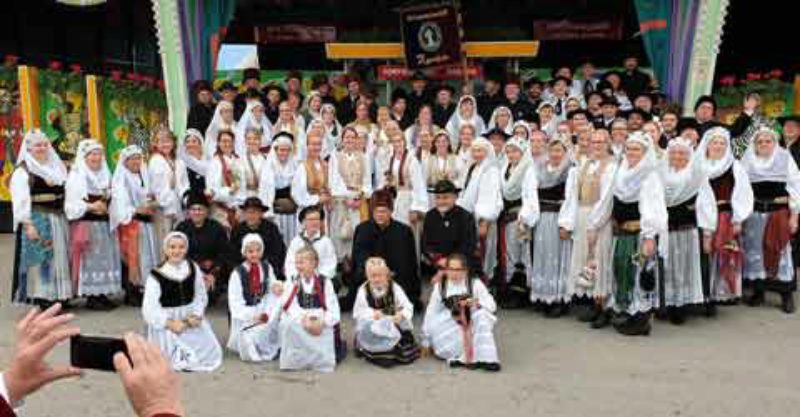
53,170
771,168
251,238
512,187
629,179
680,186
546,175
137,186
483,143
217,124
94,182
248,121
200,166
525,125
474,120
287,168
509,129
715,168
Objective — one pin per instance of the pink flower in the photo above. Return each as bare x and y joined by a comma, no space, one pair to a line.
55,65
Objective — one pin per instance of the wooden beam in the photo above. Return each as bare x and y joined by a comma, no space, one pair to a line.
513,49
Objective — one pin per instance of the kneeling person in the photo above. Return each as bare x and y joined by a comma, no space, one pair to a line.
383,316
253,298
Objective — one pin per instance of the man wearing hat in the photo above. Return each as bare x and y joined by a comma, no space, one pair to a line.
634,81
534,88
320,84
274,95
497,137
521,109
608,108
346,108
447,229
388,239
294,83
444,107
491,97
251,79
228,92
208,242
253,211
203,105
420,94
399,109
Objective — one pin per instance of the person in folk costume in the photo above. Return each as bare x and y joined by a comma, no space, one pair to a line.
521,130
253,122
543,194
312,107
790,139
690,205
311,233
619,135
208,243
734,201
41,259
222,121
332,130
443,164
548,122
447,229
310,182
363,123
131,216
174,309
276,186
168,183
225,184
502,119
289,123
254,220
586,218
191,152
639,213
513,241
424,122
775,180
403,178
383,150
425,148
466,135
459,320
482,198
538,147
383,315
253,297
94,249
310,334
254,162
466,114
351,187
498,137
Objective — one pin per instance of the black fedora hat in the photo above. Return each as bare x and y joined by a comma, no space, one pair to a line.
444,187
253,202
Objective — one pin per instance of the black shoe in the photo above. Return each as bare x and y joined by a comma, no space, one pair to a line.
757,298
637,325
787,303
455,363
601,321
98,304
42,303
554,311
489,366
589,314
677,315
711,309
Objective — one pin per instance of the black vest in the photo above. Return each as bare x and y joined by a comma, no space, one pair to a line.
624,212
551,198
385,304
174,293
39,188
682,215
244,276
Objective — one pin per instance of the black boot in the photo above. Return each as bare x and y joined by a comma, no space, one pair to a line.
677,315
711,309
787,302
590,314
602,320
637,325
757,298
555,310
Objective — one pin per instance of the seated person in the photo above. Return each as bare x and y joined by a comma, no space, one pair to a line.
459,320
253,211
253,295
312,218
174,307
383,315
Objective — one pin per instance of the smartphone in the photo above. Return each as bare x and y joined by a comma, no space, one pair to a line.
94,352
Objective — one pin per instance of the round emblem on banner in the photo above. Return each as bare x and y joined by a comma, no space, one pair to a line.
430,37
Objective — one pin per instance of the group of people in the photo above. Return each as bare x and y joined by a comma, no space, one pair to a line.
579,195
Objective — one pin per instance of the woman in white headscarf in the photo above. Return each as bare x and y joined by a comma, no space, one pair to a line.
276,186
640,235
690,205
41,264
502,119
191,152
332,130
131,216
402,174
168,182
466,113
482,198
542,198
734,201
775,180
94,249
289,122
222,120
312,107
253,120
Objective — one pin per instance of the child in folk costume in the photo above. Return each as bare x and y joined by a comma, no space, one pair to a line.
383,316
311,234
775,180
690,205
734,200
168,183
225,183
253,162
586,217
640,217
191,152
221,121
41,262
403,176
174,310
131,216
466,114
253,297
288,122
443,164
459,320
276,185
309,319
351,186
94,248
513,242
482,198
253,119
542,200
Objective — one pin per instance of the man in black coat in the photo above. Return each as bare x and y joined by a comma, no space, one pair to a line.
274,248
521,109
391,240
202,109
251,88
419,96
448,229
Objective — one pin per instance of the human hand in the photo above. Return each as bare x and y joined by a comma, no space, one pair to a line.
737,229
176,326
193,321
648,247
150,384
483,229
209,281
277,289
793,223
707,240
31,233
563,233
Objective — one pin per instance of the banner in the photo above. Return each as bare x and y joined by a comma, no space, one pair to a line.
431,36
574,30
62,113
401,73
295,33
11,126
655,25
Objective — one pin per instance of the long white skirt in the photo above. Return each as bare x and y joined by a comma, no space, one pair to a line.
490,249
257,342
377,336
753,243
683,279
300,350
100,266
342,227
517,249
43,272
195,349
447,338
548,274
287,225
604,273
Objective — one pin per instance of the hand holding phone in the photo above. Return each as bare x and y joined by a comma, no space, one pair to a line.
93,352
